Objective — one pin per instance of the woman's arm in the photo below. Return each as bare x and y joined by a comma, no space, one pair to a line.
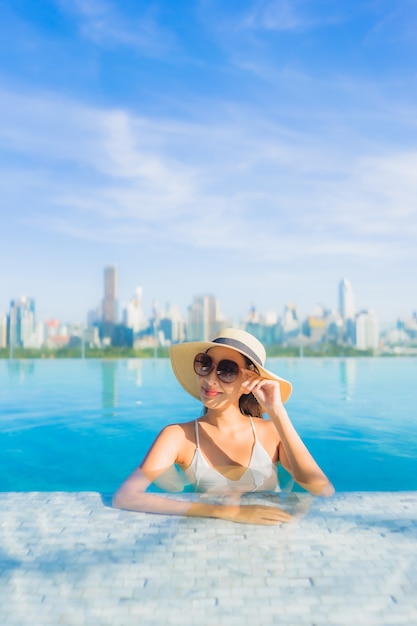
293,454
132,496
162,456
159,460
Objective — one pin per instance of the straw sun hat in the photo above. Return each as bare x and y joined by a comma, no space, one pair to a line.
182,358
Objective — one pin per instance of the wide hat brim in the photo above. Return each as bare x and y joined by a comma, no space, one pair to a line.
182,360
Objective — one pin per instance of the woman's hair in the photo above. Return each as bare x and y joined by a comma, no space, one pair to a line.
248,404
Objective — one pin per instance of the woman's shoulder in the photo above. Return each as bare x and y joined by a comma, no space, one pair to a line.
179,429
180,437
265,428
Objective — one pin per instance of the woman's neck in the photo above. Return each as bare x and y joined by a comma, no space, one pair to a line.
226,420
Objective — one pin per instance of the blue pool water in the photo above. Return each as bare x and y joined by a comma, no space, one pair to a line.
75,425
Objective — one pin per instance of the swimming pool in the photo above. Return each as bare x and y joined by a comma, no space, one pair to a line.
83,425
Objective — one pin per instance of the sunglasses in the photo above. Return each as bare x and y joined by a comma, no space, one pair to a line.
227,371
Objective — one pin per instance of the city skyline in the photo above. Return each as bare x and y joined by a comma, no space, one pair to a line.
258,151
109,309
341,327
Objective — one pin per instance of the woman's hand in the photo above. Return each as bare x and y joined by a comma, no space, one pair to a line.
267,392
253,514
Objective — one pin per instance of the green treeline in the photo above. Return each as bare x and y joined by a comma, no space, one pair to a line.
111,352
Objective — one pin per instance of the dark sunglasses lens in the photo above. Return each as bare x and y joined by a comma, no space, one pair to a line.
203,364
227,371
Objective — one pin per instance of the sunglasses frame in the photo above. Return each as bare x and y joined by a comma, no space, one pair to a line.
220,373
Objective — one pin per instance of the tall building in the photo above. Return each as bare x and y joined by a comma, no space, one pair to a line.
346,300
21,322
367,331
347,311
203,319
133,316
335,328
109,309
171,325
110,295
290,321
3,330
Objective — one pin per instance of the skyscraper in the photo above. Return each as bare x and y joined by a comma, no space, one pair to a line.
347,310
109,302
203,318
133,316
110,295
21,325
367,330
346,300
3,330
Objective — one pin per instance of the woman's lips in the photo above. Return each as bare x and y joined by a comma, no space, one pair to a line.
210,393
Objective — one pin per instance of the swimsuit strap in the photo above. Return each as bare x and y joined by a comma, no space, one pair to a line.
197,439
253,429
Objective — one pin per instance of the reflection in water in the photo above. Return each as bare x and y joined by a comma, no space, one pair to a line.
348,378
109,383
135,366
173,481
20,368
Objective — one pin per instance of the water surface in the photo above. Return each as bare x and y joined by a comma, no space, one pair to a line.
81,425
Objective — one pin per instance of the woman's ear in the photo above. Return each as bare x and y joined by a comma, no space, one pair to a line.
244,386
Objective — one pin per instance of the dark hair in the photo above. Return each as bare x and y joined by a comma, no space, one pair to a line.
248,404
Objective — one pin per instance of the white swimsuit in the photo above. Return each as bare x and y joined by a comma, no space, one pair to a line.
260,475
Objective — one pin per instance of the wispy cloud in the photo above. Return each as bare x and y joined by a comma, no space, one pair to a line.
104,23
395,23
110,175
281,15
288,15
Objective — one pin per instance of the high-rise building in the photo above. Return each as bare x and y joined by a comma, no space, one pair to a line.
347,311
171,325
133,316
290,321
346,300
21,322
203,319
109,307
110,295
367,331
335,327
3,330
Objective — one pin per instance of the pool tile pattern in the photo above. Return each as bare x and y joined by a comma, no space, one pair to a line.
69,558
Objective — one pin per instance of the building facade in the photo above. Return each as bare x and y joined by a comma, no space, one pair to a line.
347,310
110,301
367,331
21,322
203,319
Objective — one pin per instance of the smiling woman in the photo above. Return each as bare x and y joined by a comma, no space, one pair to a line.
230,450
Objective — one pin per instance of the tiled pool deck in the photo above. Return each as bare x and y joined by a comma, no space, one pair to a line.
68,558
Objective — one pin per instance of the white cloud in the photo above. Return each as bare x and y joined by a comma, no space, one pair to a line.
290,15
394,23
274,15
104,23
111,175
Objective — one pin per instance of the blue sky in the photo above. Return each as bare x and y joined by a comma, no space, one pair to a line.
256,150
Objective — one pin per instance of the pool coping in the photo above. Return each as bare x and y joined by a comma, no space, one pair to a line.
69,558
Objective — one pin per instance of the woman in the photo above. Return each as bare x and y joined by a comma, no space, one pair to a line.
229,450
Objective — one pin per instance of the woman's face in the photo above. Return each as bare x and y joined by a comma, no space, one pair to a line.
216,394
